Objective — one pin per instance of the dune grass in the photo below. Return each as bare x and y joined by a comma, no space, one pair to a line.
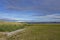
39,32
10,26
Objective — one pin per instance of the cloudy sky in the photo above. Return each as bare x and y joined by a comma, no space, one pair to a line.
30,10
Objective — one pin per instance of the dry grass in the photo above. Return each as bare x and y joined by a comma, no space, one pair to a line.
39,32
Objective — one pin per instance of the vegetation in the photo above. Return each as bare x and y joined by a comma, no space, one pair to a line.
33,31
10,26
39,32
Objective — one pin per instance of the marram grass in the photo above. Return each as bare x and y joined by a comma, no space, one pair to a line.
10,26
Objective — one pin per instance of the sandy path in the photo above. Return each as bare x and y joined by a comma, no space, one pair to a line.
14,32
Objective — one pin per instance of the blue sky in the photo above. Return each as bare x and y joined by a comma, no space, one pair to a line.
30,10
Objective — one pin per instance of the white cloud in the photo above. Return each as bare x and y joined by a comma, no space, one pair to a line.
49,16
53,16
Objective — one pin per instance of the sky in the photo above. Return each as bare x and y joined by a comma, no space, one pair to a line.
30,10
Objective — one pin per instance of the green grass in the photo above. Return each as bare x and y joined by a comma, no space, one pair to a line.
8,27
33,31
39,32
